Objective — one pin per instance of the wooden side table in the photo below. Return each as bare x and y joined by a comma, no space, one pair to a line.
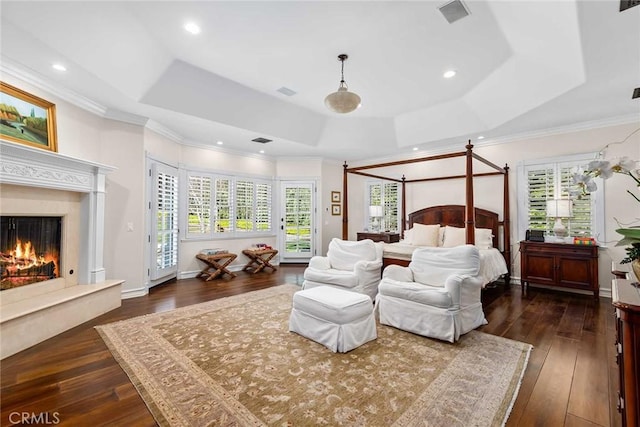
218,263
559,264
261,258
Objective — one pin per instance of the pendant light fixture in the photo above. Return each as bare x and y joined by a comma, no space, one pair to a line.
342,101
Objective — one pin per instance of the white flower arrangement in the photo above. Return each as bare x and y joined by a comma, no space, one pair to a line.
583,179
584,184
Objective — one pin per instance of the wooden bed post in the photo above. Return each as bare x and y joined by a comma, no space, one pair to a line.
404,206
470,223
345,204
506,226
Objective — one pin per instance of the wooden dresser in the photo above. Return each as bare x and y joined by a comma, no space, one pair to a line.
559,264
380,237
626,300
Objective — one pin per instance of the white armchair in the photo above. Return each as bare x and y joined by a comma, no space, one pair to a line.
349,265
437,295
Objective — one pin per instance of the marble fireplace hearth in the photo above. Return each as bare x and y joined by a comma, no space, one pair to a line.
40,182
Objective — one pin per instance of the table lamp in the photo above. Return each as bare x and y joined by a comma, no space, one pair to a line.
375,212
558,209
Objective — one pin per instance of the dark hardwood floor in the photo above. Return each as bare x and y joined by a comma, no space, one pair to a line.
571,378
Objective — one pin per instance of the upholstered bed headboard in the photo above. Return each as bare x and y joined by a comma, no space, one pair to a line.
454,216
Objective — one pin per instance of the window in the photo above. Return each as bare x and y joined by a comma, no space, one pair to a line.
385,194
549,179
225,206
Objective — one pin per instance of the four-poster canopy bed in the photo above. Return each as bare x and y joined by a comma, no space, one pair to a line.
463,216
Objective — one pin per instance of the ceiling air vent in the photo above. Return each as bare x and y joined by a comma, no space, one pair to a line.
636,93
626,4
286,91
262,140
454,10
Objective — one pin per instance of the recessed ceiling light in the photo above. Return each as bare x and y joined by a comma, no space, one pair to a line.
261,151
192,28
415,148
220,143
481,137
449,73
59,67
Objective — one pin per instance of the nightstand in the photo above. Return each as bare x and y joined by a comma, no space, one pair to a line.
380,237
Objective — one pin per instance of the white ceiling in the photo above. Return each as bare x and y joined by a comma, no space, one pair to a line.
522,67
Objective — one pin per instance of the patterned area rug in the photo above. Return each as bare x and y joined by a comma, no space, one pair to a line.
232,362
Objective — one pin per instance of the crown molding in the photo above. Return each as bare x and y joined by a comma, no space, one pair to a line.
574,127
33,78
162,130
122,116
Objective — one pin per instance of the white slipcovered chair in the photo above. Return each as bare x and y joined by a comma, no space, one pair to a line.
349,265
437,295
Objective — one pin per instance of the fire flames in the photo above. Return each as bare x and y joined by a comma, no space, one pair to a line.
22,264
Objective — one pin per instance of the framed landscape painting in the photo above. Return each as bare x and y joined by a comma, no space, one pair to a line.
27,119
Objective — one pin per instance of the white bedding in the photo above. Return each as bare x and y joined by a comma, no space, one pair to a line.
492,264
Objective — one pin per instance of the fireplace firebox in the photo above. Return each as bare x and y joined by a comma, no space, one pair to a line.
29,249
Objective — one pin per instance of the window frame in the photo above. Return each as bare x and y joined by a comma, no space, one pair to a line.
215,232
367,223
571,161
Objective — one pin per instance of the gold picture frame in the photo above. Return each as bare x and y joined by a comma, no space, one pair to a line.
336,210
27,119
335,197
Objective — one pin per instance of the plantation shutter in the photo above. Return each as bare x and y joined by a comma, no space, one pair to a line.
263,207
390,220
244,206
199,205
165,227
541,189
582,223
222,222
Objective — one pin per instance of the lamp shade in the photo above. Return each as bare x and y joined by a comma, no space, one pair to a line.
342,101
375,211
559,208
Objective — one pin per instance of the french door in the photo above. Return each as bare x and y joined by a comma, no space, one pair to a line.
297,221
163,218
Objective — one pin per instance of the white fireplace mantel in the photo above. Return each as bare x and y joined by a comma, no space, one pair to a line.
23,165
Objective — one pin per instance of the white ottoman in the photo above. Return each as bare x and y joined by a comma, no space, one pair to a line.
339,320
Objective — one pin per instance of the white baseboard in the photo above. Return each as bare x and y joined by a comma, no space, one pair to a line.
134,293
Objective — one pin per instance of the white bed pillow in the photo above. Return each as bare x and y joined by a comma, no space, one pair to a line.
484,238
408,236
456,236
425,235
